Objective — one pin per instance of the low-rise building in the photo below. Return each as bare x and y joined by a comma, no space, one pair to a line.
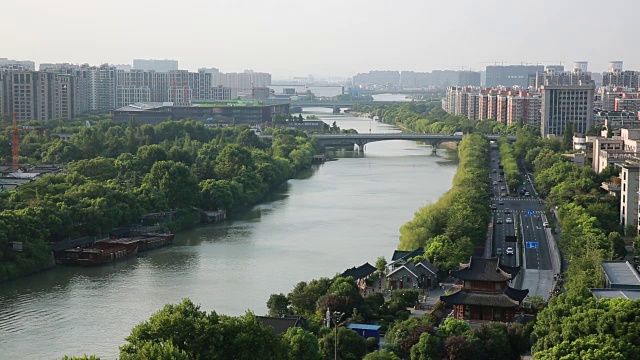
209,112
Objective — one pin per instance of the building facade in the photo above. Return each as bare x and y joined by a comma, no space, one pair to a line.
567,104
510,75
155,65
629,175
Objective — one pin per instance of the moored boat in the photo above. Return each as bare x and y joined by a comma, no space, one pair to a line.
98,255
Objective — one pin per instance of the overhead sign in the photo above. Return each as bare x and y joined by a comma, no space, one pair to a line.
532,245
510,238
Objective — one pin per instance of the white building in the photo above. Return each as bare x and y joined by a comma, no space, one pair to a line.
564,104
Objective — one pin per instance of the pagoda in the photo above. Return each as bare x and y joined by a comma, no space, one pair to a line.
482,292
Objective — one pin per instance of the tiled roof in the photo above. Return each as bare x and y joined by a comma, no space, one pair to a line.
360,272
421,268
281,324
406,255
482,269
503,300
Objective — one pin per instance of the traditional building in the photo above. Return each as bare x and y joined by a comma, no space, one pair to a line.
413,275
483,292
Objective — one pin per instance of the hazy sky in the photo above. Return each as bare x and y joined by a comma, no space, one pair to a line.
323,37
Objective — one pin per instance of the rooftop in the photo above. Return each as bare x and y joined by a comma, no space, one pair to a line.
482,269
615,294
360,272
511,298
363,327
620,273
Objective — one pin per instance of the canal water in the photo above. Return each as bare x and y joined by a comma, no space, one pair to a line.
338,215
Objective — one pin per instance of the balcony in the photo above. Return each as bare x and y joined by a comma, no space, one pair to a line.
612,188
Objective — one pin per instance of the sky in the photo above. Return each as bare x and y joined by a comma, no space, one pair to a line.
323,37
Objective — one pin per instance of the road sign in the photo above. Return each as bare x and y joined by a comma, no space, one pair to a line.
529,212
531,245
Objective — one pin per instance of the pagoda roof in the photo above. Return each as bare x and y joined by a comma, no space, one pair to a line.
511,298
482,269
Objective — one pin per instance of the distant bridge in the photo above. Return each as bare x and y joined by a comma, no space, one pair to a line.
362,139
334,104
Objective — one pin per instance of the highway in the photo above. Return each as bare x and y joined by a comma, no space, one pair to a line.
536,258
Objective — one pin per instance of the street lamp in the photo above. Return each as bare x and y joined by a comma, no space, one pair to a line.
335,316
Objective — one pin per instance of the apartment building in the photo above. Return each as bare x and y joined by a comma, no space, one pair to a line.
24,65
629,175
616,77
564,104
155,65
561,78
608,95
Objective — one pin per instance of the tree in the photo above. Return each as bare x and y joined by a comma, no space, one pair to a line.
351,346
184,325
381,264
302,344
428,348
278,305
156,351
175,180
231,160
567,137
381,355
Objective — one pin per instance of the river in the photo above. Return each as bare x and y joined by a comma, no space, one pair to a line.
338,215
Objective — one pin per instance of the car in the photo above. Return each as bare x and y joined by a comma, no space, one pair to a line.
502,188
509,221
495,171
500,202
498,251
545,224
494,207
507,211
503,194
493,160
498,221
495,183
509,251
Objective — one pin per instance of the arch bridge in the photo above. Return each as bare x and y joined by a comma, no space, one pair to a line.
361,140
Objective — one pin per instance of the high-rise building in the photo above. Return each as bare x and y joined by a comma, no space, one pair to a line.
385,78
510,75
553,77
9,64
155,65
564,104
468,78
616,77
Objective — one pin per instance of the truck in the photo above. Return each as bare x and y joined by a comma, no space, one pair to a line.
458,133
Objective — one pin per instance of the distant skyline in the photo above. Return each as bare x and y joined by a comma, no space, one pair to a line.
323,38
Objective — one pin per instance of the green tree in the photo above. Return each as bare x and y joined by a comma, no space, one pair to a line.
428,348
381,264
156,351
278,305
302,344
351,346
381,355
175,180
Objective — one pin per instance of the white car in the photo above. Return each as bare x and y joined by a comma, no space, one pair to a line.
508,221
509,251
545,224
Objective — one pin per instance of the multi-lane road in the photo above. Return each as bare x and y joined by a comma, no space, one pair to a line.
536,260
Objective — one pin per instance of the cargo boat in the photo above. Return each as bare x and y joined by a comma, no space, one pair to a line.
109,250
98,255
144,242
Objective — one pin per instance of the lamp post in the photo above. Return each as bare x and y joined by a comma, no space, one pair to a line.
336,316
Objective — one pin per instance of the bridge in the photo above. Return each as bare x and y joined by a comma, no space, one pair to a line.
361,140
334,104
